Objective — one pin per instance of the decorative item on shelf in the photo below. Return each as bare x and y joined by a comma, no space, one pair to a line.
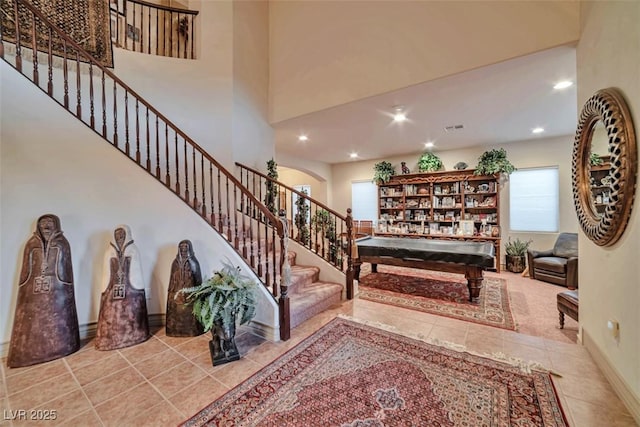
429,162
226,298
594,159
405,168
516,251
494,162
460,166
383,171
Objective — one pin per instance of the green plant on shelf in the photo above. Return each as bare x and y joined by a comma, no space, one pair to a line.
595,160
429,162
494,162
382,172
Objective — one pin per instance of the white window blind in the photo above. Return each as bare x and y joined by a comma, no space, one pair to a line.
364,200
534,200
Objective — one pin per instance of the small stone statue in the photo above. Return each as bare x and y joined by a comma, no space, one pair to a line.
122,321
405,168
185,273
45,325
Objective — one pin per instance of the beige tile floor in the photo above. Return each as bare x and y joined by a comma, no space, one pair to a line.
166,380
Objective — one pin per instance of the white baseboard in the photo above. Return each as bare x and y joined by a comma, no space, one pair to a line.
617,382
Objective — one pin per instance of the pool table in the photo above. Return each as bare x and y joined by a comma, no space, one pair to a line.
464,257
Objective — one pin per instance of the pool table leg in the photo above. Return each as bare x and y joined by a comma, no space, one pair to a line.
474,282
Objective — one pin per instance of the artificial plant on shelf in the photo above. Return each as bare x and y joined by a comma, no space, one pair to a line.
271,187
429,162
595,160
493,162
226,298
301,217
382,172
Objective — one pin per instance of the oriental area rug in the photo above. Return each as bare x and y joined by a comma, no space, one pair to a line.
85,22
443,294
351,374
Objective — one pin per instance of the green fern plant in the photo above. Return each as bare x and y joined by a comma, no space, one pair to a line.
429,162
224,297
595,160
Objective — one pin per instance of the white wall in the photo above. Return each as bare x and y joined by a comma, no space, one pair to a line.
608,55
523,154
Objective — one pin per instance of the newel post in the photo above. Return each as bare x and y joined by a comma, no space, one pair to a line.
285,280
349,283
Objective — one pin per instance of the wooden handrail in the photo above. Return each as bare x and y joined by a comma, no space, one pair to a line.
148,138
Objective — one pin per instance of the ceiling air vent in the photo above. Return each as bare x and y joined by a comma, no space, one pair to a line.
453,128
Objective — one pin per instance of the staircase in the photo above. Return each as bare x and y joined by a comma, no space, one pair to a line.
113,110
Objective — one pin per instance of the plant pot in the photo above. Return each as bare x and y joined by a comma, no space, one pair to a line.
515,264
223,345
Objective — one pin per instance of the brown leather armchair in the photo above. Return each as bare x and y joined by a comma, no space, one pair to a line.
558,265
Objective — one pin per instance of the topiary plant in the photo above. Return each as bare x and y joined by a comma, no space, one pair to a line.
271,187
494,161
382,172
429,162
300,219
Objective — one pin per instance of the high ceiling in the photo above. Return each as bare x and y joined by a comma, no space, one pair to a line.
495,104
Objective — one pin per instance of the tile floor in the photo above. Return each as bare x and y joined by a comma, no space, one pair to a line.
166,380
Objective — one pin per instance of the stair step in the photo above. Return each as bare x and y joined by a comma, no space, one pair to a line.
315,299
303,276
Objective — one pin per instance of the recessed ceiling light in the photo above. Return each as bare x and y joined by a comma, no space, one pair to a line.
428,144
563,84
399,115
537,130
303,138
353,155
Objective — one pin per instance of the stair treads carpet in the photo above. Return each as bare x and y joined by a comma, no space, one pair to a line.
443,294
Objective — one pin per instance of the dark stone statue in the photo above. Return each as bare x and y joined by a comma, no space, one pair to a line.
185,273
122,321
45,325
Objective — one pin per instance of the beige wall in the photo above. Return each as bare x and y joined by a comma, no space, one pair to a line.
372,47
524,154
252,135
293,177
608,55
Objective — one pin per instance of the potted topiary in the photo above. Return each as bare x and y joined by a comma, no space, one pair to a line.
429,162
493,162
226,298
301,218
516,251
323,223
271,193
382,172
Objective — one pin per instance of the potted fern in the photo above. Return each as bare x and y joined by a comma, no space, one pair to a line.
429,162
219,303
515,254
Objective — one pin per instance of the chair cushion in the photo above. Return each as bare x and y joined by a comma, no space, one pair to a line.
566,245
551,263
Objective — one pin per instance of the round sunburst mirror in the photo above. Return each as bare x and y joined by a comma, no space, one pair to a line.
604,167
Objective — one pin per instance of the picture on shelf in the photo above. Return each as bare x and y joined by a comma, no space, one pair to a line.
468,227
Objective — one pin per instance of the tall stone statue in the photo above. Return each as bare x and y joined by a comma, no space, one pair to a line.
185,273
122,321
45,325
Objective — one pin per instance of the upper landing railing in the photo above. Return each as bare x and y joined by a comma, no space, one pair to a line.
149,28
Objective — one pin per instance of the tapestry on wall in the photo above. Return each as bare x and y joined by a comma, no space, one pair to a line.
85,22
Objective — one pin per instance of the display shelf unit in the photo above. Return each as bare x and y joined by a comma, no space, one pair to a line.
432,205
600,188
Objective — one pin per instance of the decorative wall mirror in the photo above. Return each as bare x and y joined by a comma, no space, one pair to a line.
604,167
